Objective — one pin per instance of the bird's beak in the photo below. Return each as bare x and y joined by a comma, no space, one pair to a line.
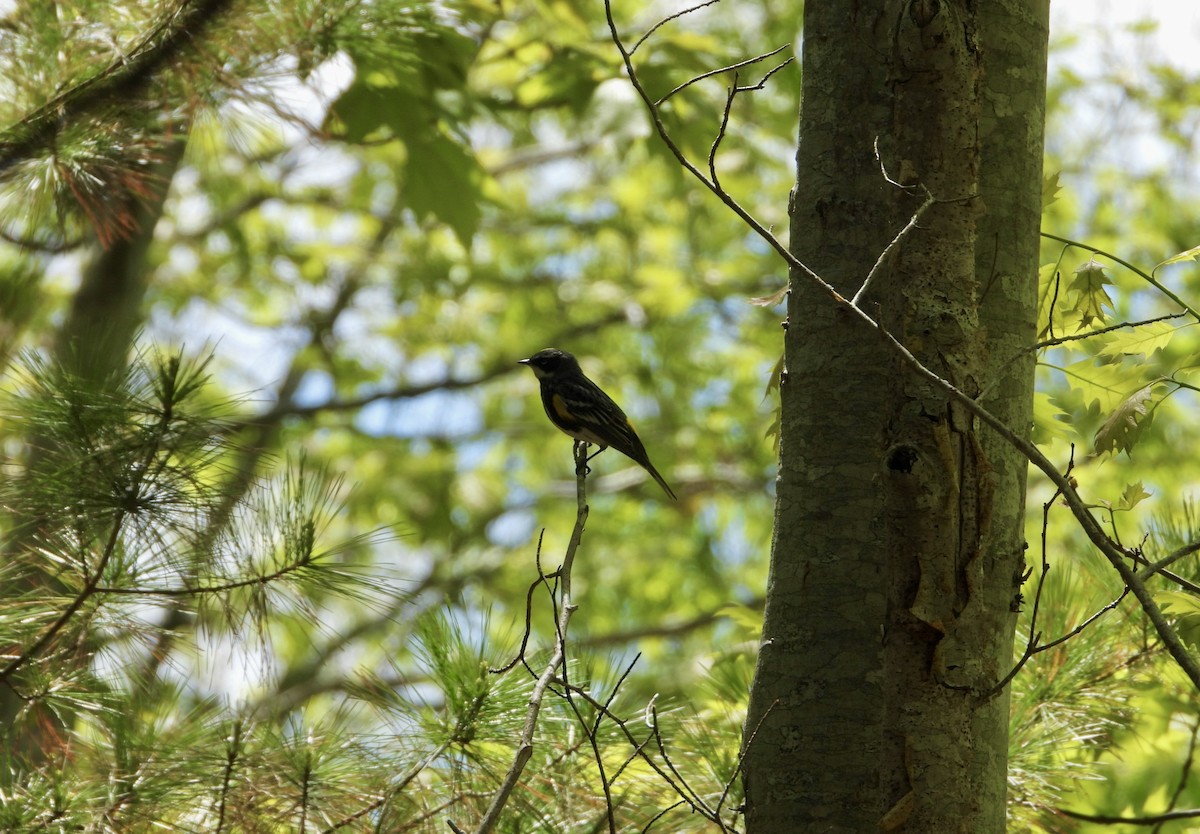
522,361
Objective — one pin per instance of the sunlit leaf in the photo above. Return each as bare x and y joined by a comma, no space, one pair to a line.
1105,383
1133,495
1089,298
1121,430
1139,341
1184,609
1050,188
1192,254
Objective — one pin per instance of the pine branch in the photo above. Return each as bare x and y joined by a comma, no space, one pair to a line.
121,81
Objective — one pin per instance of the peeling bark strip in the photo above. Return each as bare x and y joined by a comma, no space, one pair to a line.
121,80
899,521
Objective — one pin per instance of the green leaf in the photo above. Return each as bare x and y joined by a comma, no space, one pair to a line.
1090,298
1106,383
1121,430
443,179
1133,495
362,112
1184,609
1138,341
1050,189
1051,420
1192,254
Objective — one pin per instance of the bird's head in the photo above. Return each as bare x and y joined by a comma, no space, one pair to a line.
550,362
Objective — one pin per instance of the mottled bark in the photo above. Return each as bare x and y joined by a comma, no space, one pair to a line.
899,521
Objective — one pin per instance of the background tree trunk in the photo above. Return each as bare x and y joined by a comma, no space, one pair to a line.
898,526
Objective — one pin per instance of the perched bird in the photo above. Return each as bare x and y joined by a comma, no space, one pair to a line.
578,407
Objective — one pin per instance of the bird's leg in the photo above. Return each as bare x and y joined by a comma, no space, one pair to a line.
593,454
582,458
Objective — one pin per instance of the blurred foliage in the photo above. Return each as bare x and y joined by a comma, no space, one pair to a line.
1103,725
383,207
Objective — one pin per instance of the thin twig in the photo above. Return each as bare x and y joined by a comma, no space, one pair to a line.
1059,340
1149,819
1157,567
668,19
1034,635
1079,628
762,82
731,67
886,254
1054,341
662,814
695,800
1054,295
558,656
712,153
591,734
640,749
663,134
520,656
741,760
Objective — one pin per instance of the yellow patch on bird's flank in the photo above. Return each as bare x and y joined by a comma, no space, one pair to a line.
560,408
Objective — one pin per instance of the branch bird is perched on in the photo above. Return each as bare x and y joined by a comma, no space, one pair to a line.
578,407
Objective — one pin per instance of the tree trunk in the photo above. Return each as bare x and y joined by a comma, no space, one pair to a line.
898,529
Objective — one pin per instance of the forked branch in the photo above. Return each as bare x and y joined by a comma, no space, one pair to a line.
557,656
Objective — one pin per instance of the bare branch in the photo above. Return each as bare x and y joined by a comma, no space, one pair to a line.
1158,567
886,254
1079,628
666,629
712,153
557,658
1149,819
732,204
731,67
668,19
1060,340
541,580
742,756
685,792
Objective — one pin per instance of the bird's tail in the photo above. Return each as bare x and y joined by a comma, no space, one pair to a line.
661,482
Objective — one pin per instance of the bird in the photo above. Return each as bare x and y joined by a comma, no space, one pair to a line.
579,408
